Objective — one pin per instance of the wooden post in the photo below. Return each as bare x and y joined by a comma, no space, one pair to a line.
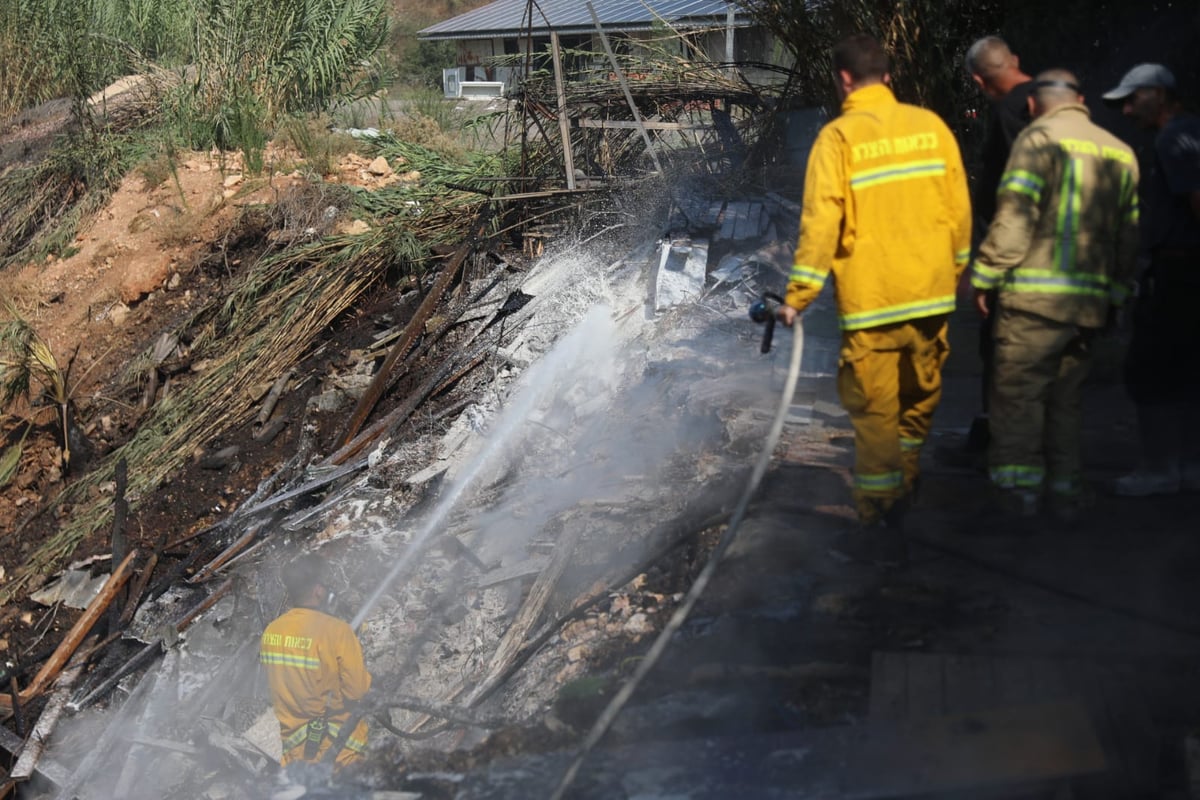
564,125
620,73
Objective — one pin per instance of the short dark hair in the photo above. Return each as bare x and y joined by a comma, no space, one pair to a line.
301,574
861,56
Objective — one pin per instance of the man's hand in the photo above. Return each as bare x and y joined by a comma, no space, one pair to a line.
787,315
981,303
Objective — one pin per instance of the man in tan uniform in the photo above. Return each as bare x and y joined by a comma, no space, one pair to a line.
1061,250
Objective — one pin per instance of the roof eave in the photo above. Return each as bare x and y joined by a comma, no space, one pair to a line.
567,30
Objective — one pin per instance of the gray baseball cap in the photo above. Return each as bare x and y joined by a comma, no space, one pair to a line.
1139,76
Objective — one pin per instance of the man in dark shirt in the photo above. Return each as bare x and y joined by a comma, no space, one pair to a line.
1160,372
996,70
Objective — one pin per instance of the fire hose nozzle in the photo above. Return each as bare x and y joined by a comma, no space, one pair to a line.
764,311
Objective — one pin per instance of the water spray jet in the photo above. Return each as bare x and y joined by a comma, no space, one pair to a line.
589,344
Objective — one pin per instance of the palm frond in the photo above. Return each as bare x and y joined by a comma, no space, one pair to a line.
10,459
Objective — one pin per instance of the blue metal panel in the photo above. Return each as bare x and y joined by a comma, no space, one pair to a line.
509,18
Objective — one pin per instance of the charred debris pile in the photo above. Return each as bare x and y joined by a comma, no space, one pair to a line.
487,260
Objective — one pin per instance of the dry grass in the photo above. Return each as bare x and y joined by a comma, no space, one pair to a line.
23,295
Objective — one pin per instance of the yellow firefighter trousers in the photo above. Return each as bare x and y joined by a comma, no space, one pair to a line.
890,382
1034,410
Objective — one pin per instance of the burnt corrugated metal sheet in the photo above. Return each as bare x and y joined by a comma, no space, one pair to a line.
509,18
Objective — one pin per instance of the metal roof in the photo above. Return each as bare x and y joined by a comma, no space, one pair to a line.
507,18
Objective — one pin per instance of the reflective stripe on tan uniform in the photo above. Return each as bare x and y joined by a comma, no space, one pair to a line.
1061,251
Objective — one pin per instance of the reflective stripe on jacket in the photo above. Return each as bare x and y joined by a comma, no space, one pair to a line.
886,210
354,748
314,667
1064,240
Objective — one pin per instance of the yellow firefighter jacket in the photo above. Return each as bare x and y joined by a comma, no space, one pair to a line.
314,668
886,209
1064,240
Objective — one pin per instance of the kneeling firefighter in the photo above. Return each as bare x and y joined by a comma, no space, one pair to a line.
315,670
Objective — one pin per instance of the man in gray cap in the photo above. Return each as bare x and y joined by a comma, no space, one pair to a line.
1164,386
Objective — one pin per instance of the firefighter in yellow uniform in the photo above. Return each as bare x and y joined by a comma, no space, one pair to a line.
886,211
315,670
1062,252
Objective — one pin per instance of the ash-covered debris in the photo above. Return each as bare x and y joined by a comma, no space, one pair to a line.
599,437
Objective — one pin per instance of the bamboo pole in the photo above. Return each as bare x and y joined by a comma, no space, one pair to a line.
564,125
624,87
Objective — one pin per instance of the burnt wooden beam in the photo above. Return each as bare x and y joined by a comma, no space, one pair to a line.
396,416
531,611
444,711
414,328
104,744
277,389
547,194
143,580
147,653
451,370
628,124
209,569
75,636
678,532
15,695
46,767
306,487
